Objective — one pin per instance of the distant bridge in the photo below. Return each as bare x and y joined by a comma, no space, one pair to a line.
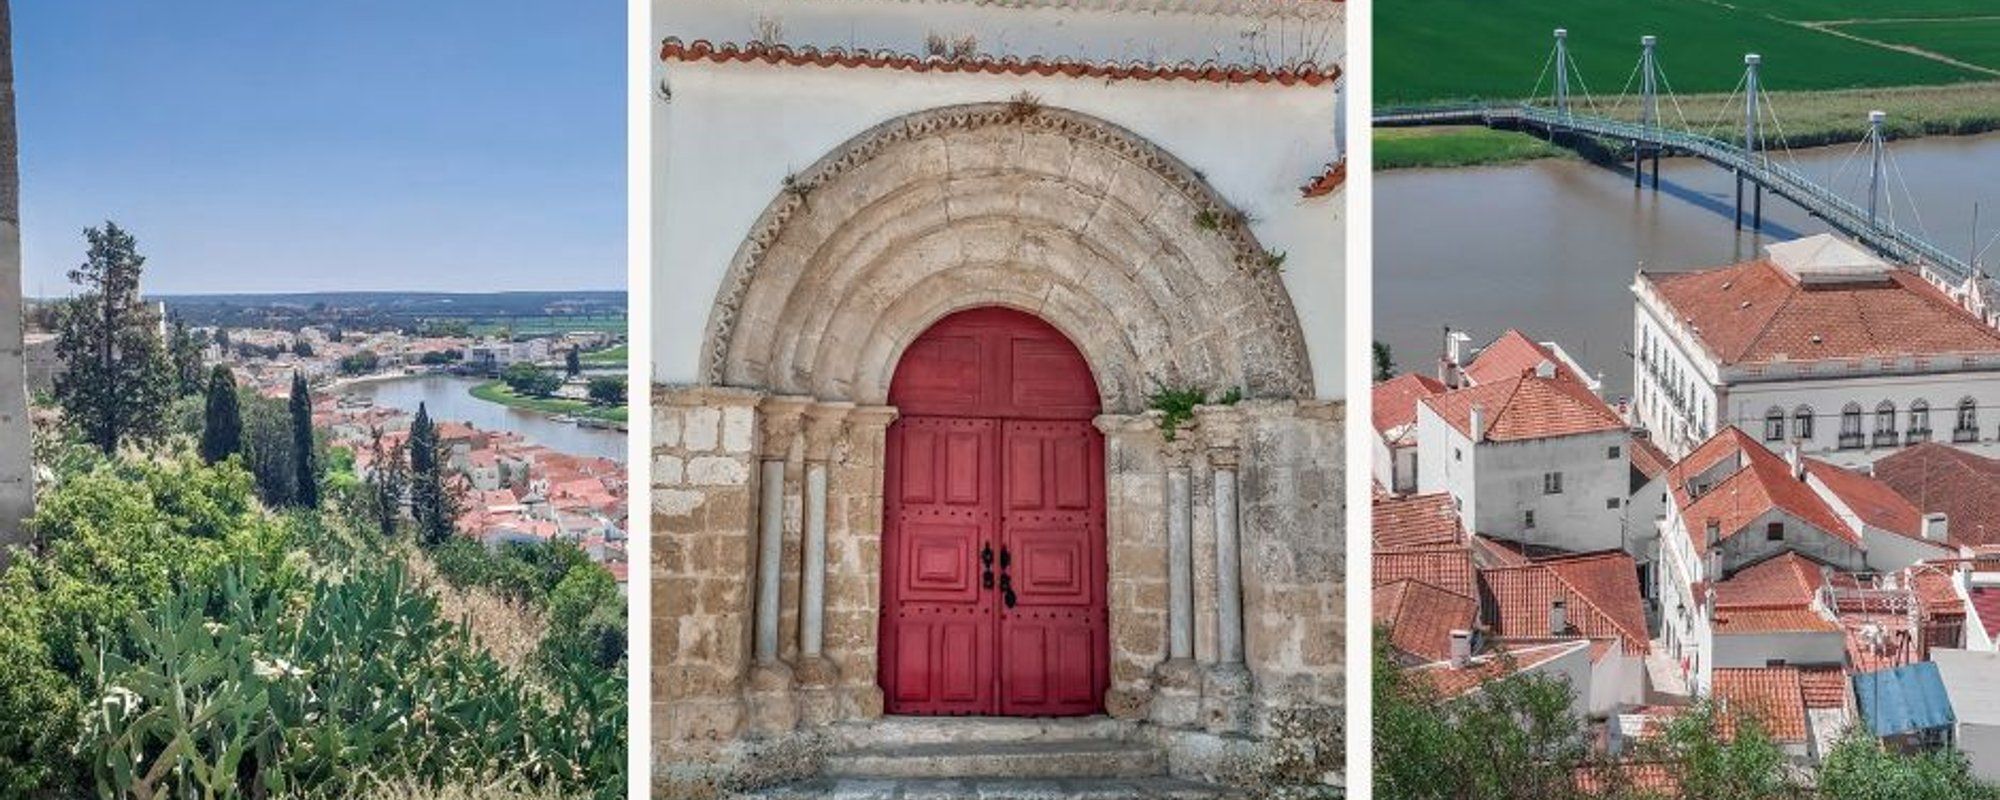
1751,164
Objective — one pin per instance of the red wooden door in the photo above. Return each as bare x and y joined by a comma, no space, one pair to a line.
993,586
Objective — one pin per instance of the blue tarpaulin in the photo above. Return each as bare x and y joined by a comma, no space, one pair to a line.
1903,700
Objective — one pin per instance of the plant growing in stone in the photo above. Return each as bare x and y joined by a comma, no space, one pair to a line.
1177,405
1023,105
1273,260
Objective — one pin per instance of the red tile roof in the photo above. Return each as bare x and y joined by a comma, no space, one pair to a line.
1648,458
1876,503
1395,400
1416,521
1824,686
1892,643
673,49
1774,696
1986,600
1600,592
1937,477
1650,778
1454,681
1324,183
1447,568
1420,617
1787,580
1763,482
1529,407
1513,355
1756,313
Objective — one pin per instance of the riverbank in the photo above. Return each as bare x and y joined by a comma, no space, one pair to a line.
498,392
1805,119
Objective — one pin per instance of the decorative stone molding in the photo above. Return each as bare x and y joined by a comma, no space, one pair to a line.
1307,72
1108,237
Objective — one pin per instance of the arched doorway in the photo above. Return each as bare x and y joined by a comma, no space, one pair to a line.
993,546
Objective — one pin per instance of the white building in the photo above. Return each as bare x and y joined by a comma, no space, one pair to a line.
1819,343
1972,682
1534,458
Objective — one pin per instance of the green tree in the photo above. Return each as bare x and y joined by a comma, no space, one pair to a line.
360,363
1385,365
222,420
388,480
432,502
608,390
1859,768
529,380
1513,739
117,375
573,362
267,449
185,354
1721,755
302,348
306,480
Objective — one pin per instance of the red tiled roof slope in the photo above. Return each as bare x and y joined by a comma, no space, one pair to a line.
1937,477
1600,592
1511,355
1416,521
1756,313
1395,400
673,49
1772,695
1420,617
1527,407
1875,502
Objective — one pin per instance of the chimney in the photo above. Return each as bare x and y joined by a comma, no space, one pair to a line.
1558,617
1478,424
1461,648
1795,461
1451,364
1934,526
1545,369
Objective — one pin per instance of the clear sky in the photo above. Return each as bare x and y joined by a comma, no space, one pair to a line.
275,145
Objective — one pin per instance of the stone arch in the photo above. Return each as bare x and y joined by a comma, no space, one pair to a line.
1115,242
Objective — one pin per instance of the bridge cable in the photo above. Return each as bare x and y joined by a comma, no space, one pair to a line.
1672,95
1624,92
1915,212
1783,141
1589,102
1727,105
1535,94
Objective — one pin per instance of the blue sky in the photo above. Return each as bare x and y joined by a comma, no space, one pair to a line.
255,145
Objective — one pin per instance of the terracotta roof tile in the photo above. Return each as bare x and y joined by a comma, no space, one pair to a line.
1529,407
1823,687
1454,681
1512,355
1447,568
1394,401
1875,502
1773,695
1879,641
1420,617
1787,580
1986,600
1756,312
1653,779
1324,183
1962,485
673,49
1416,521
1600,592
1763,482
1648,458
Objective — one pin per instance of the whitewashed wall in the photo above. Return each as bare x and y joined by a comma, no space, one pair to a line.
1748,403
1578,519
731,133
1447,462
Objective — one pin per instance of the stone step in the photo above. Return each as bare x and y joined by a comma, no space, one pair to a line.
1032,759
1153,788
897,731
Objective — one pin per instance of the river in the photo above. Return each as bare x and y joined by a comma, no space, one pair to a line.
1550,247
448,397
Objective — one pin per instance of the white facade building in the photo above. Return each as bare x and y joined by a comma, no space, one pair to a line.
1819,344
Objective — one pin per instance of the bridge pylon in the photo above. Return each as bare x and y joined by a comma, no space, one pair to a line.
1649,112
1751,61
1562,71
1875,161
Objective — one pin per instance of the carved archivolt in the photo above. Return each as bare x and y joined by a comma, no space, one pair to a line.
1157,279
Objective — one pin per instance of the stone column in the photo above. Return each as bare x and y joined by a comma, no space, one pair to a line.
17,483
1177,682
814,673
854,600
769,695
1226,694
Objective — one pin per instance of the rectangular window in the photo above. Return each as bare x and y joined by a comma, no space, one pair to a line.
1774,532
1552,483
1528,520
1611,452
1613,502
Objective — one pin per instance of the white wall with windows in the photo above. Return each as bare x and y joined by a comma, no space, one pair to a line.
1855,419
1566,492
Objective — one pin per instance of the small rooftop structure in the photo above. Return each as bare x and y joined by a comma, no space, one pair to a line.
1826,258
1904,701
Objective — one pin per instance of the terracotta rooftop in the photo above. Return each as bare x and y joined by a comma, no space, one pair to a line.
1511,355
1416,521
1448,568
1787,580
1775,696
1986,601
673,49
1757,312
1328,180
1824,686
1600,592
1937,477
1395,402
1875,502
1648,458
1454,681
1763,481
1526,407
1420,617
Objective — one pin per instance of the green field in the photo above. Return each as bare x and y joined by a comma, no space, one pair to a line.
1974,41
497,392
548,324
608,357
1397,148
1431,50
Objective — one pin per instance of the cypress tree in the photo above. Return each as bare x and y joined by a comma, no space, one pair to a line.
431,502
222,425
117,373
573,362
307,491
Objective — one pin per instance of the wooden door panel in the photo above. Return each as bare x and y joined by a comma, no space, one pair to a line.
1054,640
937,634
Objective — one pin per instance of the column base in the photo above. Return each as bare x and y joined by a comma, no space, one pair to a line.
768,701
1225,701
1177,694
814,678
865,703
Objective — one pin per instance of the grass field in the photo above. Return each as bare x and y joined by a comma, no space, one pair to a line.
1397,148
497,392
548,324
1974,41
1429,50
608,357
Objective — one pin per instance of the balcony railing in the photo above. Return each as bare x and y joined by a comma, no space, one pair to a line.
1917,435
1851,441
1965,434
1885,439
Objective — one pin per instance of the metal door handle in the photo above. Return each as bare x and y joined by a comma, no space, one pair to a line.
1007,589
986,559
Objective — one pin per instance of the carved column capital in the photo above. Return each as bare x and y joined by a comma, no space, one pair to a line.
1117,424
1221,431
824,425
865,417
781,416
